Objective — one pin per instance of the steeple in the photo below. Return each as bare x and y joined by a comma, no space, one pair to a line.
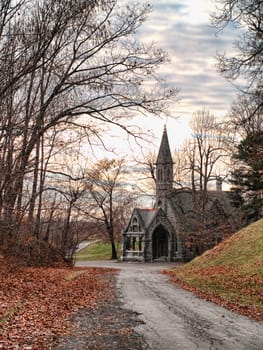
164,155
164,167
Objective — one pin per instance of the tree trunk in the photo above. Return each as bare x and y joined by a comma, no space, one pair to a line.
113,251
113,247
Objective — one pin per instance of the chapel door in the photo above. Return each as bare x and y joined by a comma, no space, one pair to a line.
160,243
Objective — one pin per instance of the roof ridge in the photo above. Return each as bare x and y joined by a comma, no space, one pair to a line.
148,209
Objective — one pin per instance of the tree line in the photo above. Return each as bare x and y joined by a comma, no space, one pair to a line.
68,69
245,69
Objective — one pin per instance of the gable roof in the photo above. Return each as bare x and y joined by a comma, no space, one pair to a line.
145,216
187,213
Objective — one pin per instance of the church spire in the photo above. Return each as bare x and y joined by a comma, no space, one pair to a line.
164,155
164,167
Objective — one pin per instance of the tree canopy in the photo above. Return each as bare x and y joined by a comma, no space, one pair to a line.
66,65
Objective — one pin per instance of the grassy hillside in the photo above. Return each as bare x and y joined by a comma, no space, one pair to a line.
230,274
97,251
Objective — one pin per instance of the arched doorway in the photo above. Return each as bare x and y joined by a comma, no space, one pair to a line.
160,243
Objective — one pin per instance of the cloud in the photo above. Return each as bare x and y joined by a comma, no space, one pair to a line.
183,29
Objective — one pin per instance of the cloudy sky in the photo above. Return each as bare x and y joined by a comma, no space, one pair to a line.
183,29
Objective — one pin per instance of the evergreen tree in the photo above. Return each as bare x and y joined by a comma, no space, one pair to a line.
247,179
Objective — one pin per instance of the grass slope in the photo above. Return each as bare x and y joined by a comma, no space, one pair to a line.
230,274
97,251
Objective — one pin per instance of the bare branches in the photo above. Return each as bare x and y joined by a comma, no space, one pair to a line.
101,184
65,64
204,154
248,62
245,116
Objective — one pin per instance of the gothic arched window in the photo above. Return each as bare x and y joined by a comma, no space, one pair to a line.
134,220
135,225
160,175
168,174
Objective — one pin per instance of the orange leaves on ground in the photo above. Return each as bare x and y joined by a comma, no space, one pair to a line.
240,293
214,271
35,303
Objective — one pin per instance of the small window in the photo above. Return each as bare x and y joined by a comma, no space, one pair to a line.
135,228
134,220
160,175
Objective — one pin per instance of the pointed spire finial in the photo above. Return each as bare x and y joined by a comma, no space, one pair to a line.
164,154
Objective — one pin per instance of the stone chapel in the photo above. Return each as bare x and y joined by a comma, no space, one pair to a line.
158,233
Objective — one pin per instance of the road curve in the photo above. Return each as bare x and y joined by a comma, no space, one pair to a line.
176,319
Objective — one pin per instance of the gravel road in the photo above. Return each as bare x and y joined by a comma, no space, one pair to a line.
176,319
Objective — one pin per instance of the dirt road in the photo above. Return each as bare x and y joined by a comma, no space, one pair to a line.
176,319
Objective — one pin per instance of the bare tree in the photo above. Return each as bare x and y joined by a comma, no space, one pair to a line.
204,160
65,62
102,184
247,61
143,177
245,117
204,156
210,144
248,16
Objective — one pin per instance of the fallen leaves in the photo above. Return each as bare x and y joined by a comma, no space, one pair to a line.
230,274
35,303
224,286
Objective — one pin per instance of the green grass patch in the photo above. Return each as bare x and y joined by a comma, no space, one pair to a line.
97,251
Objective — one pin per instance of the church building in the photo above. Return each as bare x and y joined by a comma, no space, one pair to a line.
163,233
